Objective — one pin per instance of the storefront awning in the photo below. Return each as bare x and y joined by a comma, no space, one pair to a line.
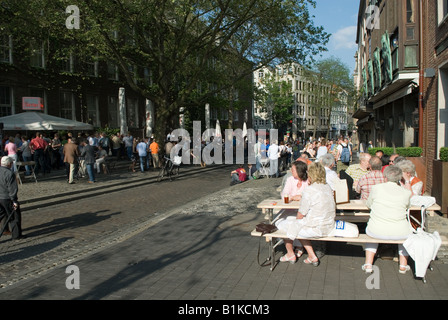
404,85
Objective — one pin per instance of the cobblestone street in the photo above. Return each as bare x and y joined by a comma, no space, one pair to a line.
184,240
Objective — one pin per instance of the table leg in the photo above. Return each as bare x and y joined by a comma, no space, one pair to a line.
271,215
272,253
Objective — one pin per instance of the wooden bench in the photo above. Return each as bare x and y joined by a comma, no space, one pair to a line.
362,238
21,164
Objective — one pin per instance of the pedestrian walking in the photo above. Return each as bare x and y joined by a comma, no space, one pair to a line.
38,146
71,154
154,146
89,159
9,204
142,149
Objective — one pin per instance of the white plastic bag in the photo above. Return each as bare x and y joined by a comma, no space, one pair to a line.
422,201
177,160
344,229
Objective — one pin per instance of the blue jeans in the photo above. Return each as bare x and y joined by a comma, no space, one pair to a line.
27,168
142,161
257,163
129,152
90,171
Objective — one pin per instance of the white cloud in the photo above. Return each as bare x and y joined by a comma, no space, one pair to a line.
344,38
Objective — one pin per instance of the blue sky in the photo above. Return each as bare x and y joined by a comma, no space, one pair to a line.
339,18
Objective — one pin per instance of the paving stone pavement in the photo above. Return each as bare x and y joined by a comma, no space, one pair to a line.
201,251
63,222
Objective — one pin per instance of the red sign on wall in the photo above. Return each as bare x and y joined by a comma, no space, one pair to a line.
32,103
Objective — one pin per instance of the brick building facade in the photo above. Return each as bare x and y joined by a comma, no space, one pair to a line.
435,81
407,104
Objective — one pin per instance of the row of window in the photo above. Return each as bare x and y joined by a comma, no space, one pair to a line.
37,60
223,114
335,120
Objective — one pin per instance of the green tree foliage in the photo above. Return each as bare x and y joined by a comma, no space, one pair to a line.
277,99
177,53
336,75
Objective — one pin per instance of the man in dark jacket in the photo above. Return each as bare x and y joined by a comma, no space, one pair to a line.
9,203
89,157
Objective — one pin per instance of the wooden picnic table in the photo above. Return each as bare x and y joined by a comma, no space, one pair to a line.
355,210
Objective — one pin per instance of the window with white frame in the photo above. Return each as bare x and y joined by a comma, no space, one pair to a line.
214,114
5,48
147,75
92,110
132,112
112,111
236,115
92,67
112,71
37,58
67,105
5,101
442,10
67,64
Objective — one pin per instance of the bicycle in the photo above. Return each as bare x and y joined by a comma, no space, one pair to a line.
169,168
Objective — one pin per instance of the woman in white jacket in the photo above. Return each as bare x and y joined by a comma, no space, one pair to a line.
315,218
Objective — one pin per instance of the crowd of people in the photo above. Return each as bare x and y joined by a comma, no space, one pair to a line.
82,156
386,183
274,158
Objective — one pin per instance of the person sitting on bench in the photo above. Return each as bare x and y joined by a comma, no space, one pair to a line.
388,203
315,218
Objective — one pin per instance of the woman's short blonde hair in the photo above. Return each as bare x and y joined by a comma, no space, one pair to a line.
316,173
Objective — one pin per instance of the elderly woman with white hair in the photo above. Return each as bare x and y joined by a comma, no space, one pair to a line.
388,203
410,181
328,162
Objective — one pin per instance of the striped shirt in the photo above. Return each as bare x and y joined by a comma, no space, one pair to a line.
367,181
356,172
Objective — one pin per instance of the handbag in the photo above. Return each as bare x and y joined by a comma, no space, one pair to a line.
265,228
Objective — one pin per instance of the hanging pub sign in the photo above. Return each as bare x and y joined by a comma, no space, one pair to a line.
32,103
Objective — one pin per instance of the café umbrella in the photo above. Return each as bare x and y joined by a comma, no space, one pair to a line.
38,121
218,129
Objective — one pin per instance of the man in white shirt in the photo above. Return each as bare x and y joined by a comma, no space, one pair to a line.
101,158
273,153
327,161
142,149
128,141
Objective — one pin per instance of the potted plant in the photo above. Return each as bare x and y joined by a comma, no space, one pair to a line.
440,180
